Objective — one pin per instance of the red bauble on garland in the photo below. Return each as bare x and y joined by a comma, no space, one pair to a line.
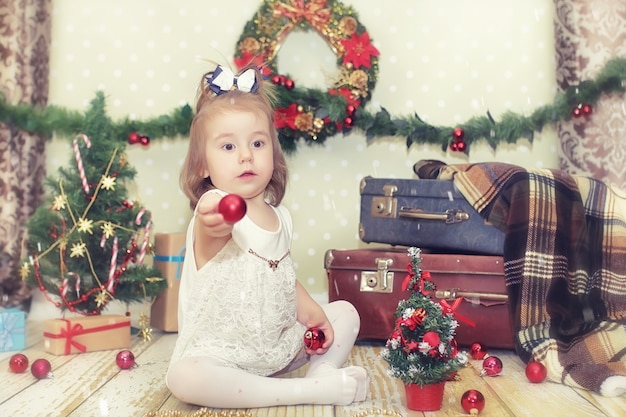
582,110
458,144
473,402
314,338
18,363
232,207
133,138
536,372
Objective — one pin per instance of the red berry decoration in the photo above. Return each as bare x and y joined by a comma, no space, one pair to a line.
41,369
125,359
492,366
477,350
473,402
314,338
18,363
536,372
232,207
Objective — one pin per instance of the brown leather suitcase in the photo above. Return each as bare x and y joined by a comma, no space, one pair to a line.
371,279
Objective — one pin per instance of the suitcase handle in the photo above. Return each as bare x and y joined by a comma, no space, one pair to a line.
449,217
453,294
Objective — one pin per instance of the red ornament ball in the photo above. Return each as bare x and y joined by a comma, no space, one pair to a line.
432,338
458,134
492,366
536,372
289,84
577,112
461,146
18,363
41,369
125,359
232,207
348,122
473,402
314,338
587,109
477,350
133,138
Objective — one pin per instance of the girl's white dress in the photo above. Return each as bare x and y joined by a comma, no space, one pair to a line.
239,308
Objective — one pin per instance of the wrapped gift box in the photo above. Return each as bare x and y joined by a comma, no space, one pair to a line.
86,334
169,254
12,329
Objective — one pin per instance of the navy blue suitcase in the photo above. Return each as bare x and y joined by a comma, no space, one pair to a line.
427,213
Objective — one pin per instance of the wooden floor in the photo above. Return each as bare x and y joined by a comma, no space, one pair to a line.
91,384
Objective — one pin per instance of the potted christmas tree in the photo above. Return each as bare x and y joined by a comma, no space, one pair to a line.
422,351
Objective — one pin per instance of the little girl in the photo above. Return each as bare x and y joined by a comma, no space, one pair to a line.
242,312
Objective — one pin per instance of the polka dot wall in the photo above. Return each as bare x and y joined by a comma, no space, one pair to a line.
445,61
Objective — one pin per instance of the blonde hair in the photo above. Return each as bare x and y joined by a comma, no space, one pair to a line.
208,105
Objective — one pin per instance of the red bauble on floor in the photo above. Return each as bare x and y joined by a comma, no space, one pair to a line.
18,363
536,372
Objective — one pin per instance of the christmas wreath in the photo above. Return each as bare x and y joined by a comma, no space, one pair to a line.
312,114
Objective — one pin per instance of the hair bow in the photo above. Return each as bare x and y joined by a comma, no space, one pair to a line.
222,80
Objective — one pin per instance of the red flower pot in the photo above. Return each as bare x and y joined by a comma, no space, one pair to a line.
424,398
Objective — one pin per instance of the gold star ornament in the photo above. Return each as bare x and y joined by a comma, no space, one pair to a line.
78,250
85,225
59,202
24,271
108,183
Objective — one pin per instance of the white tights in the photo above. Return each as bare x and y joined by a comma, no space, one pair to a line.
205,382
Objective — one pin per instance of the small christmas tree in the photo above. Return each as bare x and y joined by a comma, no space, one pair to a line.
422,349
87,242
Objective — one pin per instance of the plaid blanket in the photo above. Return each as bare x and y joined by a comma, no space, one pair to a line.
565,267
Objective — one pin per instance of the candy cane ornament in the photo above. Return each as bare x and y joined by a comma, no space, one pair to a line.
79,159
112,266
144,244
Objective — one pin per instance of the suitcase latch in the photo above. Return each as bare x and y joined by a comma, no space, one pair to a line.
385,205
380,280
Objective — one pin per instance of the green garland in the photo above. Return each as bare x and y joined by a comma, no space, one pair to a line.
312,115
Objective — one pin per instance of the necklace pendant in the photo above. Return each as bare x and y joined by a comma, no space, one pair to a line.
273,264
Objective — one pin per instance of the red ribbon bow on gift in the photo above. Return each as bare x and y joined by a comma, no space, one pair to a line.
68,334
450,309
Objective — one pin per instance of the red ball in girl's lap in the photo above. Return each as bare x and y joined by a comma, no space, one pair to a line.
232,207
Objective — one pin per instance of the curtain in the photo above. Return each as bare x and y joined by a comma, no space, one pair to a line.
588,33
24,68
